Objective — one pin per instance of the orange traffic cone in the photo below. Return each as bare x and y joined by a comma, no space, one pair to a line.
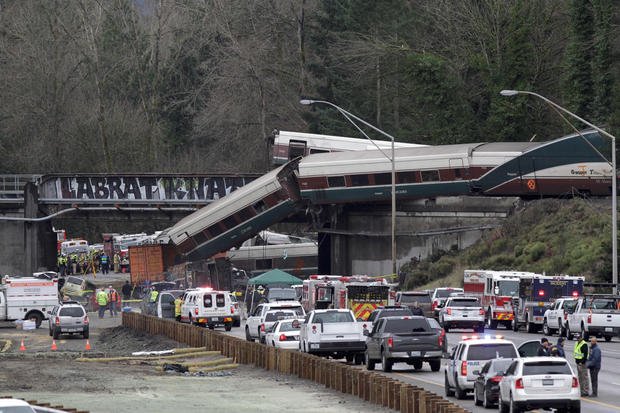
22,347
87,345
54,347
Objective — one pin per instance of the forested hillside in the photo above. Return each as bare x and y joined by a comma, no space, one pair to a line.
199,85
551,236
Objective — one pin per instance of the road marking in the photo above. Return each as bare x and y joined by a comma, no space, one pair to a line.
586,399
419,379
7,345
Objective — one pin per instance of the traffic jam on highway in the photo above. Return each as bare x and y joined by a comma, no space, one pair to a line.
364,321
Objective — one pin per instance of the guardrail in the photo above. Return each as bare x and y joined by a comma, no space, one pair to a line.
368,385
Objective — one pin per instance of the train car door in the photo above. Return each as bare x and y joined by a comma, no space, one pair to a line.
296,148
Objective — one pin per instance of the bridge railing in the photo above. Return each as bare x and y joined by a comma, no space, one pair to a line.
12,186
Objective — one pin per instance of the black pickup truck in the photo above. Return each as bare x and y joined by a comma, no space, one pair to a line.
408,339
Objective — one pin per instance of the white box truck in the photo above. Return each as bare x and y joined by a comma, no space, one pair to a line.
27,298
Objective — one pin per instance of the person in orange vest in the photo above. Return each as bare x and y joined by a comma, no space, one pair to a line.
114,301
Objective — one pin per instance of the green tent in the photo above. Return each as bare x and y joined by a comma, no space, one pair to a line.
275,277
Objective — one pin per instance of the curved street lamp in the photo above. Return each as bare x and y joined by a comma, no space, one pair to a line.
349,116
614,200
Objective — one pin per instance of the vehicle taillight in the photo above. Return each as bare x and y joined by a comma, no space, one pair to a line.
85,319
496,379
434,304
390,342
449,311
575,293
575,383
196,311
519,384
481,312
282,337
232,309
262,328
541,293
57,321
463,368
590,317
565,315
441,336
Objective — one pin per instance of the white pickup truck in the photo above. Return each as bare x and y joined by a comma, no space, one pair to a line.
333,333
556,317
595,315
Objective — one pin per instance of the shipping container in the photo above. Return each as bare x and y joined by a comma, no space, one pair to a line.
151,262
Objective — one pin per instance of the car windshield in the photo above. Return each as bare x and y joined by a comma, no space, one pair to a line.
407,325
491,351
472,302
289,326
71,312
333,317
446,293
546,367
282,294
279,315
508,288
412,298
395,313
433,323
604,304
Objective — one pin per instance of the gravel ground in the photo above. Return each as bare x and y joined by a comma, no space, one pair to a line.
58,378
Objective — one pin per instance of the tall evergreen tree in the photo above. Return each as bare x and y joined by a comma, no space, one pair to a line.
602,61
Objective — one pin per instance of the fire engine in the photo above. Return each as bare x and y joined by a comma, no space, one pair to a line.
496,290
360,293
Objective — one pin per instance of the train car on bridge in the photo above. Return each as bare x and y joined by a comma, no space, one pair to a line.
230,220
572,165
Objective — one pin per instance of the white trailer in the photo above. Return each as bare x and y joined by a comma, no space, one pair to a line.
27,298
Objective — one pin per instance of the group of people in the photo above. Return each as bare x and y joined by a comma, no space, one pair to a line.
94,261
108,299
588,360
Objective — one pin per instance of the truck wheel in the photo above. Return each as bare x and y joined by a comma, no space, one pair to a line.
359,359
247,334
561,329
584,333
546,330
449,391
569,334
417,364
36,317
386,363
56,334
85,334
607,338
211,326
228,326
460,394
349,358
435,364
530,327
370,364
491,324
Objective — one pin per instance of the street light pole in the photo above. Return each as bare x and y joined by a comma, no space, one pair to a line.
614,186
349,116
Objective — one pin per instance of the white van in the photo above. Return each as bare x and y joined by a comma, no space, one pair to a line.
206,307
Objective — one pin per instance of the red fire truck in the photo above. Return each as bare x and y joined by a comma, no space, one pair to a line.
496,290
359,293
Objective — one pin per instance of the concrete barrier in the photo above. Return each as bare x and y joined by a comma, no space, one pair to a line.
367,385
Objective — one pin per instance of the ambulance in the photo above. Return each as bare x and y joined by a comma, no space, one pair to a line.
27,298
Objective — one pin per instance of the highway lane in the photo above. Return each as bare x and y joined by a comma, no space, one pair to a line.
609,380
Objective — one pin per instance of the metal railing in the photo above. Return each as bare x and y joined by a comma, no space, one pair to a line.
12,186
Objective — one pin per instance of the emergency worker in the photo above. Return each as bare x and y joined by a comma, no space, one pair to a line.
102,302
113,301
178,302
580,352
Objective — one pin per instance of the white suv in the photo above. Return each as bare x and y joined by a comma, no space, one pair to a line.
254,321
539,383
468,358
206,307
68,317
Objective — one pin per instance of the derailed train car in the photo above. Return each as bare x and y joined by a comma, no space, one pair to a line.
573,165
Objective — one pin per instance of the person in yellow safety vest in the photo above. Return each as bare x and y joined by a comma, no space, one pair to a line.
580,351
102,301
154,294
177,308
117,262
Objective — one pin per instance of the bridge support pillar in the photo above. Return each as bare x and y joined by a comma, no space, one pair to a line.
31,229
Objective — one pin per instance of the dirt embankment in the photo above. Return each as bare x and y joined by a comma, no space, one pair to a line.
137,386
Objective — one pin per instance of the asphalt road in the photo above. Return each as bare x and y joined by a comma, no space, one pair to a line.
609,379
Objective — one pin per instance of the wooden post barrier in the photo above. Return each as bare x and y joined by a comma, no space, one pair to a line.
366,385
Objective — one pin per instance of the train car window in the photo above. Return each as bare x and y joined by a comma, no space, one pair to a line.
259,207
430,176
215,230
314,150
263,264
383,179
245,214
230,222
296,149
457,173
359,180
200,238
335,181
406,177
